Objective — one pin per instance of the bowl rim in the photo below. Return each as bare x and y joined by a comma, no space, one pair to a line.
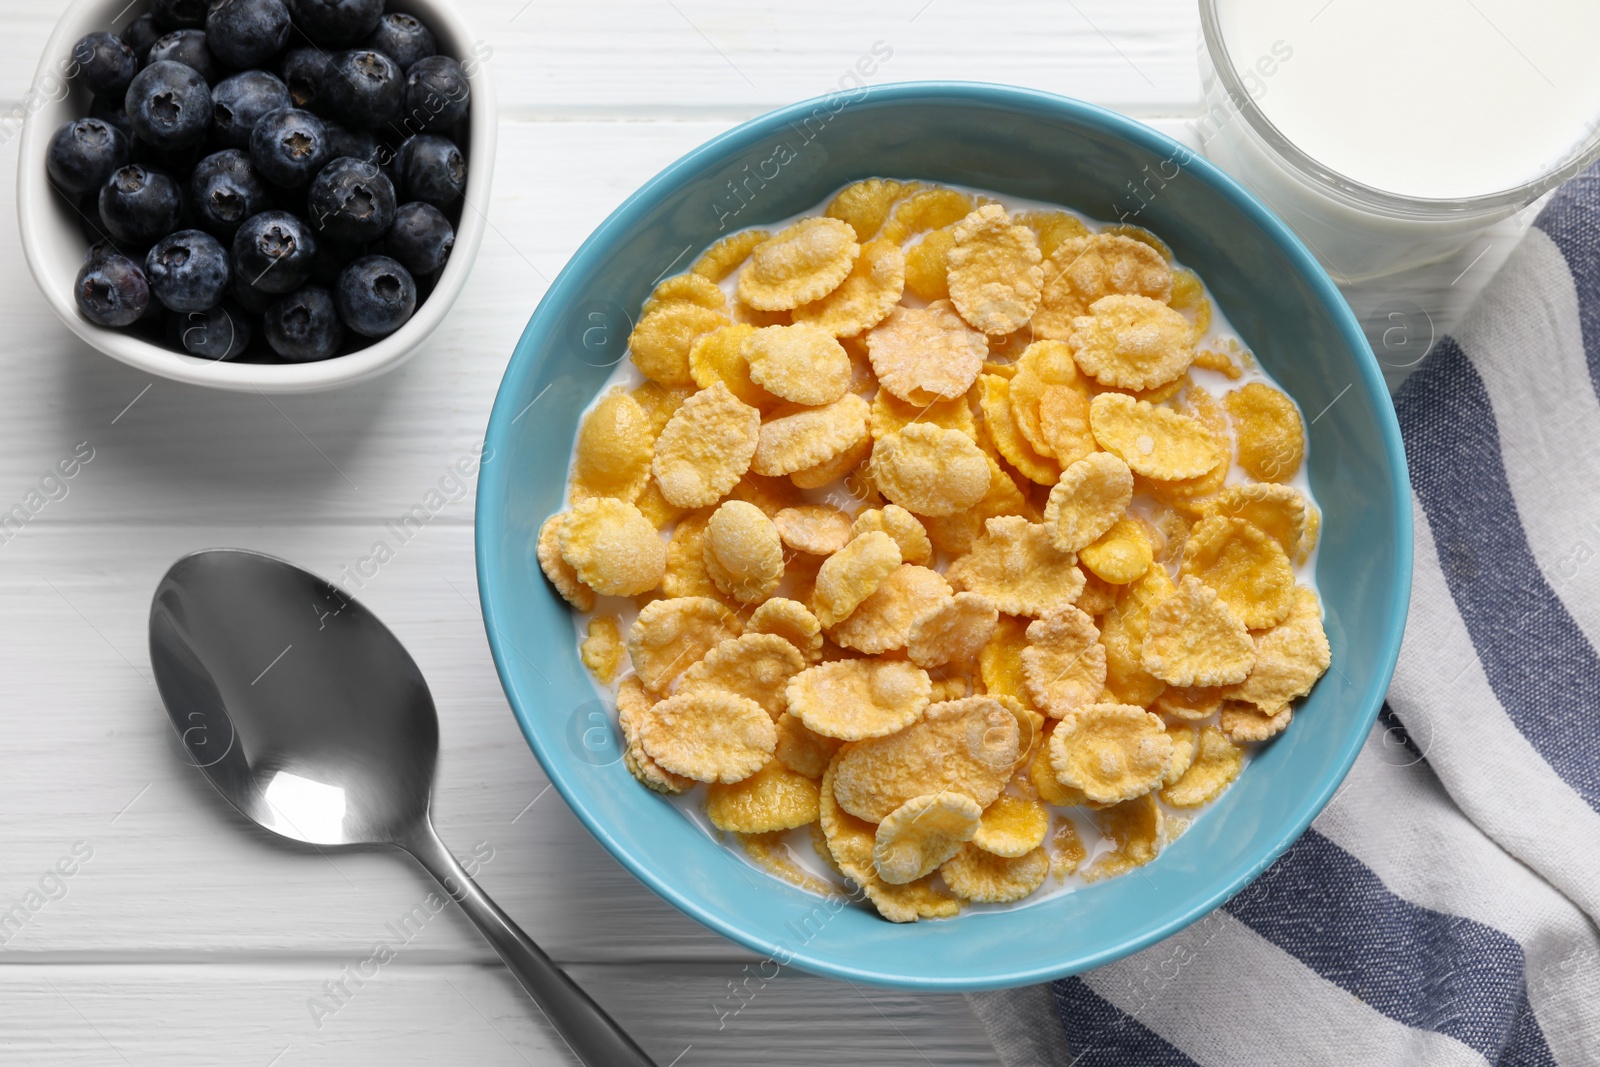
33,207
747,135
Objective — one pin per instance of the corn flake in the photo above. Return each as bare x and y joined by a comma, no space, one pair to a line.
602,649
743,555
1066,851
929,470
926,354
853,699
686,573
919,835
792,621
1217,762
922,899
928,266
705,447
800,264
800,363
1245,722
1189,703
928,209
718,261
844,465
708,735
883,621
891,414
1012,827
1155,442
1083,270
851,575
1052,228
660,344
755,666
1000,662
612,547
719,357
1088,501
1000,421
1132,342
1269,429
669,636
1015,565
900,524
865,204
985,878
1135,827
688,288
1047,366
1196,639
632,705
869,292
1279,511
795,439
1112,752
774,798
994,272
613,451
1290,657
953,630
1185,742
1122,554
561,574
801,749
1247,568
1123,631
849,839
1064,665
967,746
819,529
1042,776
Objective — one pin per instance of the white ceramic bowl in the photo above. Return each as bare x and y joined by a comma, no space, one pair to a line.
54,244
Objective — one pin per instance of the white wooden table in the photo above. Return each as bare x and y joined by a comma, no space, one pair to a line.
190,937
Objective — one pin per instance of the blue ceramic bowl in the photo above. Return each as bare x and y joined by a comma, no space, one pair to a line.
1029,144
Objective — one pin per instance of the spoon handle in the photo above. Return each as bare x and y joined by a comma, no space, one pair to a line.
593,1036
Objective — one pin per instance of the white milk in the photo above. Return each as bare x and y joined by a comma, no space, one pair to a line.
1440,99
1431,100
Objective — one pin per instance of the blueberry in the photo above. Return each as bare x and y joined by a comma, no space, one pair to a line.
169,105
437,94
171,160
431,168
337,22
139,205
90,224
363,89
244,33
190,48
351,201
375,296
254,301
188,271
105,62
174,14
273,252
110,109
357,144
421,238
304,70
140,34
111,291
224,190
303,326
220,333
403,38
83,153
237,103
288,146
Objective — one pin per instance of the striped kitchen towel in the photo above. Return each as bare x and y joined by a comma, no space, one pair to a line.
1442,909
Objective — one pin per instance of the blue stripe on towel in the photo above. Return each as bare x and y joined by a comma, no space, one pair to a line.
1420,967
1101,1035
1572,220
1540,666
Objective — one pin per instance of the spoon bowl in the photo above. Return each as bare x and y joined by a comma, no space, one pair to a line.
310,718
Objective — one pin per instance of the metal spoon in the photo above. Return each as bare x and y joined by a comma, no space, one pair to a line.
309,716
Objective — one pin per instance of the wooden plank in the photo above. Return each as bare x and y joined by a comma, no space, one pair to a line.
648,59
409,1013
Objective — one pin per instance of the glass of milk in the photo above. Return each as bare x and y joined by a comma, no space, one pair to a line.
1388,132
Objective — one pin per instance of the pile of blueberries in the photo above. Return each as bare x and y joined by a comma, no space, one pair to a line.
283,169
